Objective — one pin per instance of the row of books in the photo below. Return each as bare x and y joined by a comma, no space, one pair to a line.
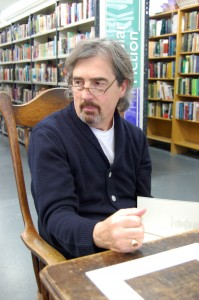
16,93
160,110
73,12
187,110
73,38
22,94
64,14
163,26
161,69
15,32
21,31
6,35
6,55
67,42
23,74
190,21
42,23
163,47
188,86
88,8
27,75
22,52
190,42
161,90
6,74
44,72
64,45
45,50
189,64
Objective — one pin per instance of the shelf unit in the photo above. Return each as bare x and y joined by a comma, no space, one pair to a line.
33,49
168,74
186,121
161,76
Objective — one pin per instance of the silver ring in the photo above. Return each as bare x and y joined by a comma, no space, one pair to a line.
134,243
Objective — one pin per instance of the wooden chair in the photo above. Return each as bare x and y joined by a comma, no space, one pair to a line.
27,115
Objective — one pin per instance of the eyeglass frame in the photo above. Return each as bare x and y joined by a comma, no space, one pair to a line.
90,88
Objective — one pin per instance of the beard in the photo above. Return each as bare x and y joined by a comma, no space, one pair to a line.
90,118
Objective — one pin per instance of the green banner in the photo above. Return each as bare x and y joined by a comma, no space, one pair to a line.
124,23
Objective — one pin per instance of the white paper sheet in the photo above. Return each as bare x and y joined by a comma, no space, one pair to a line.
169,217
111,280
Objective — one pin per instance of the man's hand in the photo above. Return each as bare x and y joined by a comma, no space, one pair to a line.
122,232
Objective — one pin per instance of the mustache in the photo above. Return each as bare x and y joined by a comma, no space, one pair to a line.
89,103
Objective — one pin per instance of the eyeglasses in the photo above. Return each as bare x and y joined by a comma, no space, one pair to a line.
93,90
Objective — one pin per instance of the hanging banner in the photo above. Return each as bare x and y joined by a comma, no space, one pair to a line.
124,21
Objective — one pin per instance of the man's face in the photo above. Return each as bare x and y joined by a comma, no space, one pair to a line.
96,110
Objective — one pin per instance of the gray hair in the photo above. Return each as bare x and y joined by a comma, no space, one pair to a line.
114,53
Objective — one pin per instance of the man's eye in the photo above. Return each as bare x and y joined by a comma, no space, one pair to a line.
98,84
78,82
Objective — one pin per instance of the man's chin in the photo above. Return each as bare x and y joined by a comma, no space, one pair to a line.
89,119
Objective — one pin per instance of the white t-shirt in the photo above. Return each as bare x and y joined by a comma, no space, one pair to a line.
107,141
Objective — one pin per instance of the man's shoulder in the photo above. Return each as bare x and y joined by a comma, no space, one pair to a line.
132,127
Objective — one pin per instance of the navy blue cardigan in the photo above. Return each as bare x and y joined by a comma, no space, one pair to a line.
73,184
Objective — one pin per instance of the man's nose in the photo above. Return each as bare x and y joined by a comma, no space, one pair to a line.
86,93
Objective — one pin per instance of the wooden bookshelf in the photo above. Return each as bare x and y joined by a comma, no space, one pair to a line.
181,129
161,76
186,122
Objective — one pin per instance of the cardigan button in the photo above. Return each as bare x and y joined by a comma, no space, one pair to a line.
110,174
113,198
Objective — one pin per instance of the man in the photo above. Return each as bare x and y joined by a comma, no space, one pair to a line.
87,163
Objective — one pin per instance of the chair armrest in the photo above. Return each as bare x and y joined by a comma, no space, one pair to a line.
41,249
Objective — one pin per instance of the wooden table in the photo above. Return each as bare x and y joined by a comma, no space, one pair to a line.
67,280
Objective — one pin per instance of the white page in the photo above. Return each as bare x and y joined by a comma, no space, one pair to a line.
111,280
168,217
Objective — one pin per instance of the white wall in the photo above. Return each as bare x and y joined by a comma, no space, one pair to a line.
21,8
155,6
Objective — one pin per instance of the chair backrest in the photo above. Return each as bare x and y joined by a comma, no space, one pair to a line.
27,115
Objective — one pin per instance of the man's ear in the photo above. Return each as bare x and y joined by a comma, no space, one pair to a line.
123,87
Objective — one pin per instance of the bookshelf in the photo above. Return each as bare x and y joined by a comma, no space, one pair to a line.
186,121
34,47
173,79
161,75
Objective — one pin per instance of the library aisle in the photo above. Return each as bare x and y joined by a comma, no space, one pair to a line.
174,177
